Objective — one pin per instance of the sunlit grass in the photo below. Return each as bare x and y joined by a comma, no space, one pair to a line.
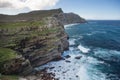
9,77
8,25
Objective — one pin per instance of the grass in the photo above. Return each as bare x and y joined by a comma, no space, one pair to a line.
9,77
6,55
13,25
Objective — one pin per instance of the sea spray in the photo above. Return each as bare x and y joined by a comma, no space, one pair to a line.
83,49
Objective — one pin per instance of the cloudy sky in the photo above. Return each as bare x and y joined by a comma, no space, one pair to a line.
89,9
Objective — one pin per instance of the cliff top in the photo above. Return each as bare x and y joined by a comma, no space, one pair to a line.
34,15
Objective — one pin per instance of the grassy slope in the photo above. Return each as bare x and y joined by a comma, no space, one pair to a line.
13,25
6,55
9,77
34,15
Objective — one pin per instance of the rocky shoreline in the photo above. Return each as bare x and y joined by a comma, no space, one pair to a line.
44,74
40,75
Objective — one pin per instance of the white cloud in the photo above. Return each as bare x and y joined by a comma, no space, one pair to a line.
31,4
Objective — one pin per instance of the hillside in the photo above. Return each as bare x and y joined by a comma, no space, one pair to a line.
34,15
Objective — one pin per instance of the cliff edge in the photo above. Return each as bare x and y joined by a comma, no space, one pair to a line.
31,39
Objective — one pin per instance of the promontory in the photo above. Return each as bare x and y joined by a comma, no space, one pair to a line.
28,40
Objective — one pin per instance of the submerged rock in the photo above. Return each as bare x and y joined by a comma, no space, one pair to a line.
67,56
78,57
67,61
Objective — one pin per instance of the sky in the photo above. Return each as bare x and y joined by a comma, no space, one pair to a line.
88,9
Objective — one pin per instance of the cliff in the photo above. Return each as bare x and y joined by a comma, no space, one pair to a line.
69,18
27,42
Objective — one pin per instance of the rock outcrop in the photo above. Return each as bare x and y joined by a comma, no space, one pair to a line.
37,39
18,65
69,18
13,63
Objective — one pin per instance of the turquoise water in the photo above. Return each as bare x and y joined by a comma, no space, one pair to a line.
98,44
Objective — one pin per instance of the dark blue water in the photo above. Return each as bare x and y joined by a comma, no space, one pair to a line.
103,40
98,44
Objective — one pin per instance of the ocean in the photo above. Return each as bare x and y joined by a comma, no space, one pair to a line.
96,45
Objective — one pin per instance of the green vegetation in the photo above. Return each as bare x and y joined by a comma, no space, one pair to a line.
9,77
12,39
7,25
34,15
6,55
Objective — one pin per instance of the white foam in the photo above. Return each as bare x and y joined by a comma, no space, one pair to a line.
72,41
95,32
68,25
89,34
77,69
64,70
107,54
87,70
83,49
82,73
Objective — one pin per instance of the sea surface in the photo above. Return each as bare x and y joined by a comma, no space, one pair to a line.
97,44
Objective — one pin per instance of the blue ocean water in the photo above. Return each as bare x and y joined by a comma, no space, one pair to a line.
98,44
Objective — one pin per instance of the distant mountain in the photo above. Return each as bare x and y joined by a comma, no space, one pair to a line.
69,18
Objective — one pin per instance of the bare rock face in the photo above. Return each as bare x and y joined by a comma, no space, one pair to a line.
40,51
69,18
53,45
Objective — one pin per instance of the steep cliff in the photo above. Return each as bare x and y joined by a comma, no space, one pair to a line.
38,42
69,18
30,40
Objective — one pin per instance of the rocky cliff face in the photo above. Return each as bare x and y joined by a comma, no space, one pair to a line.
35,41
37,44
69,18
